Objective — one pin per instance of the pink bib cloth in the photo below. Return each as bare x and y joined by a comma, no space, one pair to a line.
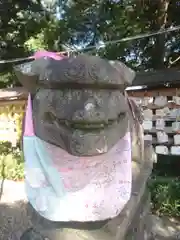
62,187
44,53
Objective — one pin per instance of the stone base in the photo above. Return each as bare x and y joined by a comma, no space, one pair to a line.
140,227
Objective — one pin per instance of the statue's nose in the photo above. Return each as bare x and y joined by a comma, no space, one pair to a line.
89,107
91,111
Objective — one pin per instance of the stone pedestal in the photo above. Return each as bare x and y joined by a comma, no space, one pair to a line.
132,224
140,227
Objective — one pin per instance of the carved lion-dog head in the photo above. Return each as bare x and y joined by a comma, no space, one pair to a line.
78,102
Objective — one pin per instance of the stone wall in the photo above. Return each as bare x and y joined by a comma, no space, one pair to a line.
12,107
161,119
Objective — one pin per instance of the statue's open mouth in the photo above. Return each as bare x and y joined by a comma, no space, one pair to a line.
85,125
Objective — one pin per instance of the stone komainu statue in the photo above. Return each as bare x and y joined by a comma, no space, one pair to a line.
75,144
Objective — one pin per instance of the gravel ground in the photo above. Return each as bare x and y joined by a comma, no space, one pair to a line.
13,210
165,228
14,218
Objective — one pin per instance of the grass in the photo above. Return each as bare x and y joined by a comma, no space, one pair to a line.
165,196
165,186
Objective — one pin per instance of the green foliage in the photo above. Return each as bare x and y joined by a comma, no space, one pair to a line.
165,196
165,186
36,43
86,23
17,25
11,162
30,26
167,166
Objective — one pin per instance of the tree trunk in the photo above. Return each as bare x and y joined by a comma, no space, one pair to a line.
159,49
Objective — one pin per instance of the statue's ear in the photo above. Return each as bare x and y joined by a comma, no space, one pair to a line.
126,74
26,76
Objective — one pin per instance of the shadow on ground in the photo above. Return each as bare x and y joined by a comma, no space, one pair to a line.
165,228
16,216
14,220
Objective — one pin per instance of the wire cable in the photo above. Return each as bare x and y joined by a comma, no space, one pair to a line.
139,36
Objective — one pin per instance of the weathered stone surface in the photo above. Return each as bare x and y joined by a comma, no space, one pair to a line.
139,228
78,103
83,69
80,121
